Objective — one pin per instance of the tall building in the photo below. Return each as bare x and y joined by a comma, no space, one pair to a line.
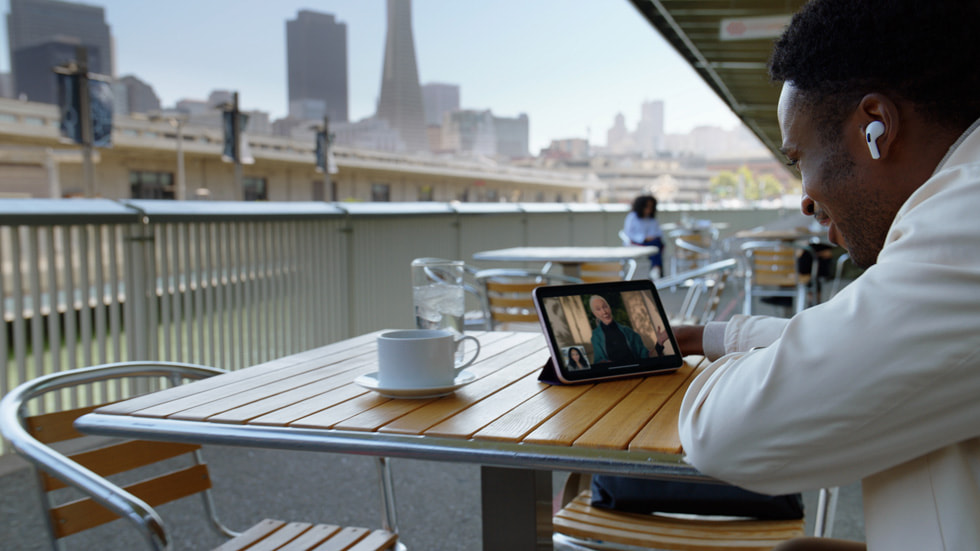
42,32
316,55
401,96
649,135
140,96
439,99
512,136
470,131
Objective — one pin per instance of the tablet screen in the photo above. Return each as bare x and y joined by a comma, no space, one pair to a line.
606,330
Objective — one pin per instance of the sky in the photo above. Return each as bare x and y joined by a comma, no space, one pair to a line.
570,65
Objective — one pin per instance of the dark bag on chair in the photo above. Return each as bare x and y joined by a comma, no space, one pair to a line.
641,495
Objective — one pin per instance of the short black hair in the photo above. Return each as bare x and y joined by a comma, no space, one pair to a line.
834,52
641,202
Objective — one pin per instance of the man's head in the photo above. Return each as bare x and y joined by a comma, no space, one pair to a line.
600,309
912,66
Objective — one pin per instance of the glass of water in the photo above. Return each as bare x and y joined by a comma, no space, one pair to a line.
437,292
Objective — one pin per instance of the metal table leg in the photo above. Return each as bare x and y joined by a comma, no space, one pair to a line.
516,509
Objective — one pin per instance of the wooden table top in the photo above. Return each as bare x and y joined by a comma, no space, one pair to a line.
566,254
780,235
311,398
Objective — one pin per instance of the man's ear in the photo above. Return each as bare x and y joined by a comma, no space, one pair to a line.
878,119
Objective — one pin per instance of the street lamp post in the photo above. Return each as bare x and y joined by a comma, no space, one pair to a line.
79,68
176,120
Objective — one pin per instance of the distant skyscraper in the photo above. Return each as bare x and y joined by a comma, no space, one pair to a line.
401,95
140,96
649,135
512,136
316,54
41,32
439,99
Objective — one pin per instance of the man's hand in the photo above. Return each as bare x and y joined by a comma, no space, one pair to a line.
690,339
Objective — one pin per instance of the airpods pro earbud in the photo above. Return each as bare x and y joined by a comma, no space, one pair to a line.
871,133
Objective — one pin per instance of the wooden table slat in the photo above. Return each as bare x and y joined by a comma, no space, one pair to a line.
342,349
627,418
301,401
469,421
275,392
179,398
573,420
660,434
520,421
418,421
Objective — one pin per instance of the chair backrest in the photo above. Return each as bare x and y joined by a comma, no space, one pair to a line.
774,263
473,315
594,272
708,282
692,248
625,239
33,436
507,294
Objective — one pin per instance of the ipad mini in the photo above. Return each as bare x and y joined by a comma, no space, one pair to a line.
608,330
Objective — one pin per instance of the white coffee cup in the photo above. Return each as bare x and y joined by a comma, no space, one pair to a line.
420,358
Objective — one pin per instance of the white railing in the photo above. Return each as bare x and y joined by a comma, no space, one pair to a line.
234,284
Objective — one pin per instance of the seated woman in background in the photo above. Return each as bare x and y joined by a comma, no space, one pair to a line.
642,228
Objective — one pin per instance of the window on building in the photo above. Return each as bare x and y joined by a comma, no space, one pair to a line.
146,184
255,189
318,194
425,193
381,192
492,196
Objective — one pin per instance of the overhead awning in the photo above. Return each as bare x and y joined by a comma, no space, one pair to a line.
728,43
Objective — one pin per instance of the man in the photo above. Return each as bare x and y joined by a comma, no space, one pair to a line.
613,342
879,113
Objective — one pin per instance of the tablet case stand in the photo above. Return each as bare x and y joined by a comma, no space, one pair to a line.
548,374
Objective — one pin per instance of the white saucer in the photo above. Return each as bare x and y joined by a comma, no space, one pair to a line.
370,382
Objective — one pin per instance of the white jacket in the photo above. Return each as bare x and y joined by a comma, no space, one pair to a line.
879,384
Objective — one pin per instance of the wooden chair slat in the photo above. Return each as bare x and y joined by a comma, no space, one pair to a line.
83,514
249,537
376,540
512,287
282,537
121,457
343,540
510,302
49,428
505,317
579,519
312,537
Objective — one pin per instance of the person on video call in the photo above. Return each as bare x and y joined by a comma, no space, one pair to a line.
614,342
879,112
576,360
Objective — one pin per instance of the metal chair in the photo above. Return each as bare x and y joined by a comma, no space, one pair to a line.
473,318
708,282
507,296
579,525
692,249
594,272
35,436
771,271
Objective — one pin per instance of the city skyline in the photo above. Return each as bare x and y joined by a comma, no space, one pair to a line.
570,66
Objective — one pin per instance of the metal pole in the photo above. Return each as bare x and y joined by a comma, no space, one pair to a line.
181,177
85,114
237,145
326,154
